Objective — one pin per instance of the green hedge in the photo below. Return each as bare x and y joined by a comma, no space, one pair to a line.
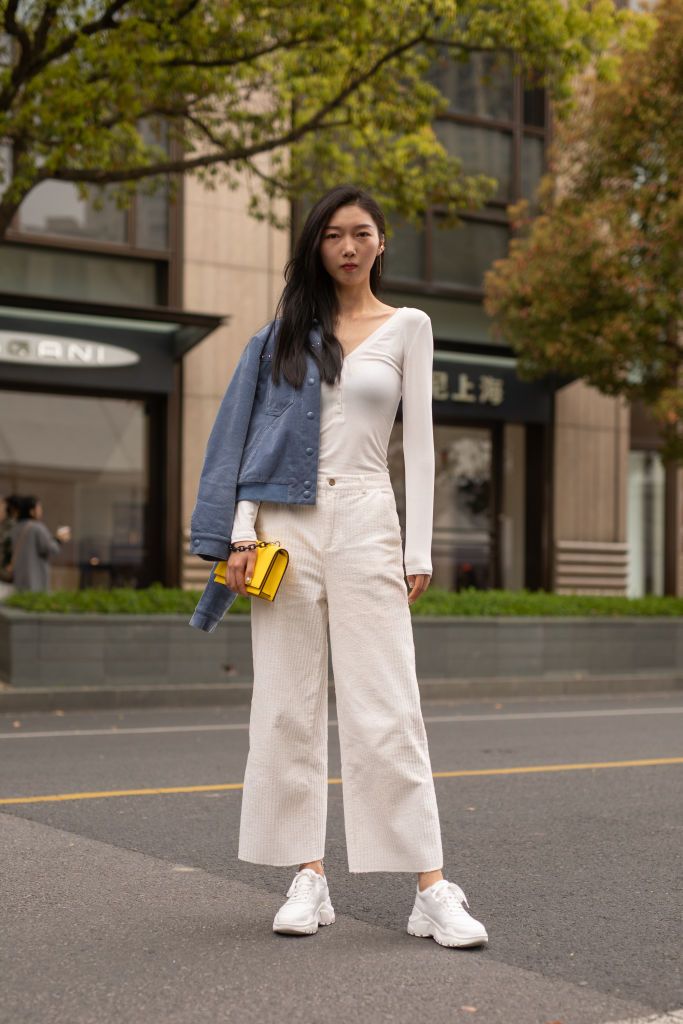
155,600
158,600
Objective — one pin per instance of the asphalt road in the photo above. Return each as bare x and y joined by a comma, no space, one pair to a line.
121,907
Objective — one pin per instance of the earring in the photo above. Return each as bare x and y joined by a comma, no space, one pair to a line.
379,260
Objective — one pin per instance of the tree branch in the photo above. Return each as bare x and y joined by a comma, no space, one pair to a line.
245,58
30,63
44,26
15,28
452,44
18,31
316,121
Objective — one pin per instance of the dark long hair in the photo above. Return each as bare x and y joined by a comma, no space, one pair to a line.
309,293
25,505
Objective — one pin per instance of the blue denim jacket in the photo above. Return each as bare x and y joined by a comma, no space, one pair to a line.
264,445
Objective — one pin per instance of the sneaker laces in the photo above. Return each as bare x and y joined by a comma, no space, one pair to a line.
301,886
451,895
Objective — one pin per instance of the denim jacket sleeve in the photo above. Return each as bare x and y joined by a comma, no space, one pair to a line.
214,511
212,518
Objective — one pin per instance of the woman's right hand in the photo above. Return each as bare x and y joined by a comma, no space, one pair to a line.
240,567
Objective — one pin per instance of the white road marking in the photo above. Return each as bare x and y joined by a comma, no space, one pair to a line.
513,716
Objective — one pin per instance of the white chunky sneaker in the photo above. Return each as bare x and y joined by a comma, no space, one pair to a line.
308,905
439,912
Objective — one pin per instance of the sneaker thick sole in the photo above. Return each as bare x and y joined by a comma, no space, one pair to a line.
324,915
423,927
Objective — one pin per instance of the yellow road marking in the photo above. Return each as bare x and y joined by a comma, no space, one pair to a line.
464,773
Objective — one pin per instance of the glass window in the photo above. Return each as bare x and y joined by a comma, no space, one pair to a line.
461,255
72,275
534,107
55,208
646,522
482,151
90,470
452,319
151,224
532,165
403,254
480,86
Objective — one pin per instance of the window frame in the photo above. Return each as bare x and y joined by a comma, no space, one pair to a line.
495,210
168,260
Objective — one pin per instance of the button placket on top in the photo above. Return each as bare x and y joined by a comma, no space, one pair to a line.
340,390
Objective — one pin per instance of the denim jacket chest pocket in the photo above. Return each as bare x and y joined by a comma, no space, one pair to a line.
278,396
270,403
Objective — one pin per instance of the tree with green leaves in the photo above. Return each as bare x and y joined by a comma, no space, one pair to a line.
593,286
298,96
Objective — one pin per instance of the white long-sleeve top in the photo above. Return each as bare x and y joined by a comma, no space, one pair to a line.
358,412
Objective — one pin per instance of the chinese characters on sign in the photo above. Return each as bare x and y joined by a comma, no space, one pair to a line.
484,390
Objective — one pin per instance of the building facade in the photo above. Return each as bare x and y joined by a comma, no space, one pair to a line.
119,330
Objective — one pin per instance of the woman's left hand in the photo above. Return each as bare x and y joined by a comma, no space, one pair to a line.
418,585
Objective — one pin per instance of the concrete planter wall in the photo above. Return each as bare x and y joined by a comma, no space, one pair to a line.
42,650
125,650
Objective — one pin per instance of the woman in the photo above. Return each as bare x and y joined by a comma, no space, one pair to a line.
346,572
32,546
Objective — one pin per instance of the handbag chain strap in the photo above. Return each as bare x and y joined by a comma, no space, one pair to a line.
254,544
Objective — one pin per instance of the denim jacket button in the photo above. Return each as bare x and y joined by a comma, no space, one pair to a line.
311,380
307,494
310,415
307,483
309,451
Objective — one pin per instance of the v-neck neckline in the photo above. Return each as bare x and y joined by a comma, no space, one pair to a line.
373,333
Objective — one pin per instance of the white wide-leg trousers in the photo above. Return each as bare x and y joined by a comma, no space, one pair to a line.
346,568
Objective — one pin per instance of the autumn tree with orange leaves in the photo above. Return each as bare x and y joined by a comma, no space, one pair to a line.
593,286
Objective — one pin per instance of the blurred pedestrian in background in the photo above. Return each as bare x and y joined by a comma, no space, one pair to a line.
32,546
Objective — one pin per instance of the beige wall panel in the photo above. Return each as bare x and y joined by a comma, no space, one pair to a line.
590,490
248,298
227,238
583,406
584,485
210,363
591,452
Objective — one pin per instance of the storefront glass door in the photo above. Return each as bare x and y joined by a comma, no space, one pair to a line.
646,523
87,460
463,538
462,547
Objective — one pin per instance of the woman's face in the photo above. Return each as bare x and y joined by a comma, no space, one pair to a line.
350,245
37,511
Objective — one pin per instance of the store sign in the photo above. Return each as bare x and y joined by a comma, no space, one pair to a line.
480,388
483,390
53,350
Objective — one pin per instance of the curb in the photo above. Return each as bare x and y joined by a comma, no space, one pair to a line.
95,698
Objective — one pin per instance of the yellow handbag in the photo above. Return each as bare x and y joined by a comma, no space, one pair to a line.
271,562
